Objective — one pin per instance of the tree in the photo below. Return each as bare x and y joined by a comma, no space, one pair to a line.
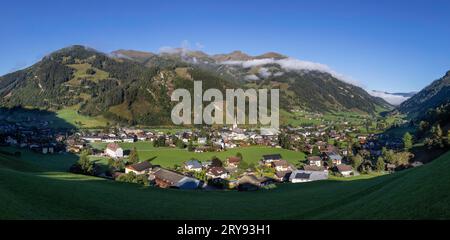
437,138
284,141
190,146
448,137
116,165
90,71
330,163
216,162
131,177
398,159
84,165
133,157
315,151
380,166
356,161
407,141
243,165
388,155
239,155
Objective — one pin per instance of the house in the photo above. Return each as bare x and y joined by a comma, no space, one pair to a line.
128,140
193,165
282,176
345,170
300,176
281,165
139,168
114,150
391,167
315,161
233,161
201,141
217,172
334,157
251,182
268,159
47,149
164,178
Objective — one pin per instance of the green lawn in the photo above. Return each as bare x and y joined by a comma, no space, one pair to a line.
168,157
33,187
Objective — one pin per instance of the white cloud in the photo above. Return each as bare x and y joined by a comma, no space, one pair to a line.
199,45
294,65
185,47
388,97
264,72
251,77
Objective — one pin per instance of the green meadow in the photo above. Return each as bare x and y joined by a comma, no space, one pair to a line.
34,186
168,157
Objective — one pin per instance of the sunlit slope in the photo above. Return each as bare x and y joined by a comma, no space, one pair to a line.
31,190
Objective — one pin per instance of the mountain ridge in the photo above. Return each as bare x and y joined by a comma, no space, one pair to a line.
134,87
435,94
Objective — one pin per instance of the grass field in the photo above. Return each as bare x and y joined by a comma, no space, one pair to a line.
80,73
168,157
71,115
35,187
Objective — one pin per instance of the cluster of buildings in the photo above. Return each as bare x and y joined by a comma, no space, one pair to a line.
248,179
39,137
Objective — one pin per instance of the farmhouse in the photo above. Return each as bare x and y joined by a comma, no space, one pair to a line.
193,165
139,168
114,150
345,170
281,165
315,161
282,175
233,161
217,172
251,182
334,157
164,178
300,176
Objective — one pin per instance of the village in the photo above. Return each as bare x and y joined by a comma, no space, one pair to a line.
323,151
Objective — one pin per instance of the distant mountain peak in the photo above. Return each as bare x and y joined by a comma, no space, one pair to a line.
233,56
273,55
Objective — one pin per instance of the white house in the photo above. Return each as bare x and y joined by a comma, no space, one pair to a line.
217,172
345,170
201,141
281,165
315,161
114,150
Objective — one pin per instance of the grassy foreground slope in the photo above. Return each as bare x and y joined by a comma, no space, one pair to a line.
31,190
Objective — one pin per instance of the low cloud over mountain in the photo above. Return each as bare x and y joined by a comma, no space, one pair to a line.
392,98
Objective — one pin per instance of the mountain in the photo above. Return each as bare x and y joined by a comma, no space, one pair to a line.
134,87
432,96
301,86
392,98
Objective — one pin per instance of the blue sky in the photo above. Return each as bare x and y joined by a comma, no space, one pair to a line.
384,45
